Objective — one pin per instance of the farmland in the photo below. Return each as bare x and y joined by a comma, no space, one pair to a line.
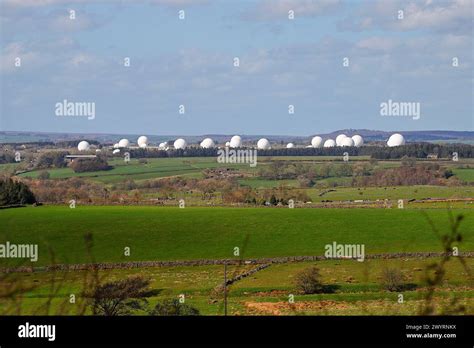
165,167
154,233
356,289
132,213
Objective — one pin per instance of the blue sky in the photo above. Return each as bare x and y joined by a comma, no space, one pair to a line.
190,62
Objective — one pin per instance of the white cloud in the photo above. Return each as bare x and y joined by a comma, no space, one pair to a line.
40,3
13,51
278,9
435,15
429,15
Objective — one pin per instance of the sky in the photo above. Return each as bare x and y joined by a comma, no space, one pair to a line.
404,51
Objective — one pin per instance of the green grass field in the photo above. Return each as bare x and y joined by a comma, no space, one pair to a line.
158,233
155,168
356,288
392,193
257,183
465,174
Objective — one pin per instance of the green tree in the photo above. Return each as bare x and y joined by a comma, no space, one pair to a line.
172,307
15,192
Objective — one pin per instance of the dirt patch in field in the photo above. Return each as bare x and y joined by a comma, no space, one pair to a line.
370,307
282,308
271,293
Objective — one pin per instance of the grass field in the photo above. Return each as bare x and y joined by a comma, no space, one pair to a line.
158,233
155,168
165,167
263,183
392,193
356,288
465,174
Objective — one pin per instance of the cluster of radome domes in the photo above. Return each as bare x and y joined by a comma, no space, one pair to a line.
263,144
341,140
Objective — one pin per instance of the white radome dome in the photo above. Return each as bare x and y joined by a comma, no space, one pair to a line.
396,140
116,146
162,146
180,144
227,143
83,146
235,141
317,142
116,151
339,139
123,143
263,144
142,145
207,143
329,143
347,142
143,140
358,140
290,145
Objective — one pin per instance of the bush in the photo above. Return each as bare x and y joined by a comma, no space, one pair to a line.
43,175
172,307
81,165
52,159
392,279
308,281
15,192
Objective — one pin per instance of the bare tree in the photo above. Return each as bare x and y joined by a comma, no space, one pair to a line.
120,297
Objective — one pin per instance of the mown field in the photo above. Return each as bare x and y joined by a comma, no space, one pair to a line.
355,289
391,192
166,167
155,168
165,233
465,174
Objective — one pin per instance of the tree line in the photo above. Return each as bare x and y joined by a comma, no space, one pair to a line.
416,150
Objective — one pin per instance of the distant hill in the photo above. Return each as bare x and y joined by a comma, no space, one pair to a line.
430,136
369,135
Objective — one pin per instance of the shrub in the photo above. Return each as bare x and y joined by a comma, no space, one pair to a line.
43,175
308,281
392,279
172,307
15,192
52,159
81,165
